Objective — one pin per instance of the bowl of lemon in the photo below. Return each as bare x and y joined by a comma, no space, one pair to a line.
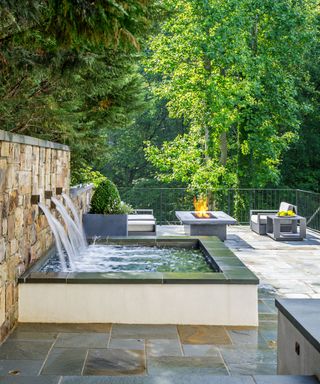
286,214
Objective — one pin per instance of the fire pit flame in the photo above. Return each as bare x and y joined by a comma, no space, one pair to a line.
201,207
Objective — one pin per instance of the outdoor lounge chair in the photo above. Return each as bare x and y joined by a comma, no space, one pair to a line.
142,222
258,218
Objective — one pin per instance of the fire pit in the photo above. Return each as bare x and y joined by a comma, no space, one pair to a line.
204,222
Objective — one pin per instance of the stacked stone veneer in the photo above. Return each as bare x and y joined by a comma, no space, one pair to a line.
28,166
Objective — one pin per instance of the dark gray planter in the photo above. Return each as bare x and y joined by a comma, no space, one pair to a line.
105,225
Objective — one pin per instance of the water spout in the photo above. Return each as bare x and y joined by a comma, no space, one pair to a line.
56,230
73,210
76,237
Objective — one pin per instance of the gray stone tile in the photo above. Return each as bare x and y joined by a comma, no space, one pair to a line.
253,369
264,308
268,317
144,331
20,367
200,350
168,379
203,334
114,362
82,340
64,361
285,379
30,380
28,335
24,350
242,336
73,328
248,355
166,366
138,344
163,348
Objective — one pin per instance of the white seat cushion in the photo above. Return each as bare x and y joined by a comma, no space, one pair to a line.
140,217
263,219
141,226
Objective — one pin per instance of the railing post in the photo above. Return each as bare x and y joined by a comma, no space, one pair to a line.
161,206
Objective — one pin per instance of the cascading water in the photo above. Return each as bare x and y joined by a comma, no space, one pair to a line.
73,210
76,216
76,237
60,237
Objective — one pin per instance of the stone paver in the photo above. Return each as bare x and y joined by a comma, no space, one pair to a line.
163,348
114,362
65,361
124,331
203,334
82,340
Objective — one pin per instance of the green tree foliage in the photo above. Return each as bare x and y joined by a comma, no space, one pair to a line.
125,159
78,22
68,71
233,70
300,166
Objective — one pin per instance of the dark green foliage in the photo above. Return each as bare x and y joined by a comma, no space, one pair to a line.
68,72
106,198
126,163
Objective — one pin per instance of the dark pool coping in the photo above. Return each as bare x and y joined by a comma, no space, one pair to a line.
304,315
229,268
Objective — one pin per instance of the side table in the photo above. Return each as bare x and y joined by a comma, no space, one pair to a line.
297,233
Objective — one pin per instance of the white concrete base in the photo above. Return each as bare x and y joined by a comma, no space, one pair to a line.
210,304
306,362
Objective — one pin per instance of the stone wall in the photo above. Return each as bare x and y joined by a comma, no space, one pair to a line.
28,167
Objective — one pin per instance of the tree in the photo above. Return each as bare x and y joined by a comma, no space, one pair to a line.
233,70
68,70
126,163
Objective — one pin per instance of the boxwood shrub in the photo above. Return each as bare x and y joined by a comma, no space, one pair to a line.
106,198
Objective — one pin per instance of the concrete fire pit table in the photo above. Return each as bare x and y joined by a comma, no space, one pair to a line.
214,225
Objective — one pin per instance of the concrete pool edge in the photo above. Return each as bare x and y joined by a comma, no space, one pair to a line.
226,297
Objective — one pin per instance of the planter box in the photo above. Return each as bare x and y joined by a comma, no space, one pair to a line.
105,225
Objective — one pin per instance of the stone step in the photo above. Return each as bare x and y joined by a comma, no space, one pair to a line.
174,379
285,379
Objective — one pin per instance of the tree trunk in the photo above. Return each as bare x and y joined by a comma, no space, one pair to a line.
223,148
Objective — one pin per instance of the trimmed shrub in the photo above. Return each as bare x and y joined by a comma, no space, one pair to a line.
106,198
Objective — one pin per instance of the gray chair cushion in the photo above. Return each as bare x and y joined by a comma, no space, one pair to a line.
263,219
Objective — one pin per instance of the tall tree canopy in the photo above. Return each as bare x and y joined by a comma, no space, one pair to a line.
233,69
68,70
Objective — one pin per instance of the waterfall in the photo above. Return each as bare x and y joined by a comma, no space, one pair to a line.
73,210
60,237
76,236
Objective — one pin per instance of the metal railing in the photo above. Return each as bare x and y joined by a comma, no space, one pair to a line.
308,204
235,202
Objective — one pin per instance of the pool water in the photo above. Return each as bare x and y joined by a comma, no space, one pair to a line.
116,258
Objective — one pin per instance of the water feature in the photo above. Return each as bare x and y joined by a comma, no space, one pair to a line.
76,236
139,259
61,238
73,210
